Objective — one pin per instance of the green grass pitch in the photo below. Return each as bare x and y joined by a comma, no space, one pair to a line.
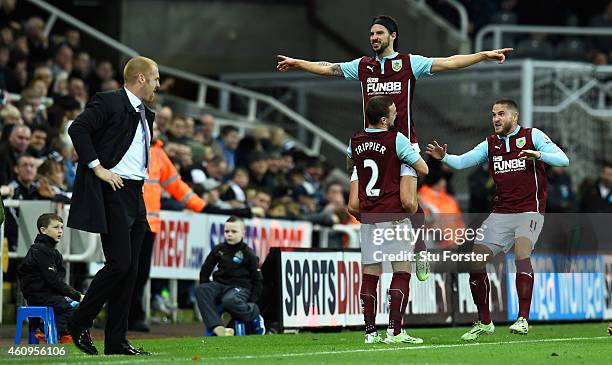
546,344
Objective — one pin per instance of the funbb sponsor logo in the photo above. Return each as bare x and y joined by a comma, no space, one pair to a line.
501,167
391,87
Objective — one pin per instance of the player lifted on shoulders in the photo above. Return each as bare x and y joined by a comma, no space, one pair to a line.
389,72
384,199
516,158
393,74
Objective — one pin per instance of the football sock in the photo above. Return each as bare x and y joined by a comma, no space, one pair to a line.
368,301
399,290
479,285
524,286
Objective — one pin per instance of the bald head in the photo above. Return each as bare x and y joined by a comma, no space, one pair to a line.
138,66
20,138
142,77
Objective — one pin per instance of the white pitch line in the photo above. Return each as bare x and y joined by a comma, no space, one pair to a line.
248,357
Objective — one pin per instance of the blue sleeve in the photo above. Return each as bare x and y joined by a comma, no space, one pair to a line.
476,156
551,153
420,65
405,151
349,153
350,69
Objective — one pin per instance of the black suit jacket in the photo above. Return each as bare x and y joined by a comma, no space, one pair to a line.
104,131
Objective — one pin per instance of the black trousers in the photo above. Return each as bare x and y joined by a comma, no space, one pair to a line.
113,284
137,312
62,311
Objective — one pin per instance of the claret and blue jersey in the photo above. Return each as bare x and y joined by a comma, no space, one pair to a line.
395,76
521,185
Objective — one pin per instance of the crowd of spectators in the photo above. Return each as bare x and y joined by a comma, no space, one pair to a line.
55,76
595,49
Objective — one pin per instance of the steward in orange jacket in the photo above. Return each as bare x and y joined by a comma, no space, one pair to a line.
163,175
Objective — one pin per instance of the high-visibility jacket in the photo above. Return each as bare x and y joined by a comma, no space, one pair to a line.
442,211
163,174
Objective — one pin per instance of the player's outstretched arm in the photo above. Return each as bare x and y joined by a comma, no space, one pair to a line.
476,156
458,62
285,64
436,151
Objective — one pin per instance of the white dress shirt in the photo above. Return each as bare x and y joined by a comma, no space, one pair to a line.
133,164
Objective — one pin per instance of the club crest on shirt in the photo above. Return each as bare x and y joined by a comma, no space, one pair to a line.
396,65
520,142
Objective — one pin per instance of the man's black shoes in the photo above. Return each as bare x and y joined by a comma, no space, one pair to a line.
82,340
124,349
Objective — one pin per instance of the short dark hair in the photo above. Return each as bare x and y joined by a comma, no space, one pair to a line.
511,104
234,219
39,127
24,155
227,129
46,219
378,107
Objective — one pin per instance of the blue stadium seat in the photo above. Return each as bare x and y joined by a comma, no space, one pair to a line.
30,313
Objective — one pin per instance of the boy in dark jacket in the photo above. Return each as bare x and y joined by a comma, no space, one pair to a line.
42,274
237,283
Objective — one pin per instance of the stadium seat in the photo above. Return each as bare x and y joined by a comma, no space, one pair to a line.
48,318
239,326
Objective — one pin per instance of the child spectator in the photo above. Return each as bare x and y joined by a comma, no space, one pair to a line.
42,274
237,284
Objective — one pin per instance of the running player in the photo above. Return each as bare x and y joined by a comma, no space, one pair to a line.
393,74
378,154
516,158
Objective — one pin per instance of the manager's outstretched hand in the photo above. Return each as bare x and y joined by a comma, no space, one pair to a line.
436,151
108,176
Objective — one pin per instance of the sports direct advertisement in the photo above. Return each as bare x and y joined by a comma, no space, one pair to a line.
321,288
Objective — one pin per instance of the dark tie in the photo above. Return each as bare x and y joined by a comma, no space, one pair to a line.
145,131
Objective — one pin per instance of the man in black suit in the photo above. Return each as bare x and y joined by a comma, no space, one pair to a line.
112,138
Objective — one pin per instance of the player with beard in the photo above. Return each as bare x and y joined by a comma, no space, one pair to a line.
393,74
516,158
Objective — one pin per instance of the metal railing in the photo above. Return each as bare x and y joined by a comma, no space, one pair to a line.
254,100
497,30
460,34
